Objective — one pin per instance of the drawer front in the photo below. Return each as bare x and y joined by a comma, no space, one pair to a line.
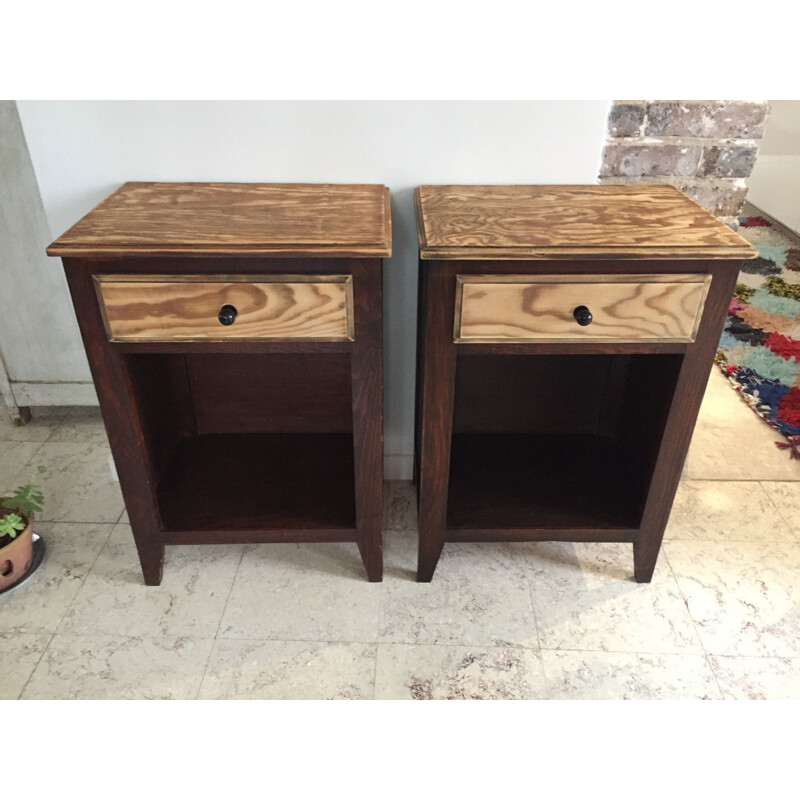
623,308
156,308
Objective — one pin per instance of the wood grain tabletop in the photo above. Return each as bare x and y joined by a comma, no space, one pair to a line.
547,222
201,219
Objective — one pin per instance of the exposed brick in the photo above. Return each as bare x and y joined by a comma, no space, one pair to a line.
626,119
720,197
706,148
728,161
635,161
712,119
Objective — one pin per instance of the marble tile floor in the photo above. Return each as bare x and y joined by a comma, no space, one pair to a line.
720,620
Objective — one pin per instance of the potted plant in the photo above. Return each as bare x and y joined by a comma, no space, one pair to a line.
16,532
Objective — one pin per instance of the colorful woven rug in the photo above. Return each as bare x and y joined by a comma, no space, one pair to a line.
760,346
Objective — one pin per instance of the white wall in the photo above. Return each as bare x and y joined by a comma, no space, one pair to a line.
81,151
774,185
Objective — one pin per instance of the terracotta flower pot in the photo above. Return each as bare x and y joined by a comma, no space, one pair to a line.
16,557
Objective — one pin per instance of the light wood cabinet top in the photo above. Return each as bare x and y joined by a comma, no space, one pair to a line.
570,222
208,219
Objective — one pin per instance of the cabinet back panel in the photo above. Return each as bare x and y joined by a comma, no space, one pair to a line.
271,393
532,394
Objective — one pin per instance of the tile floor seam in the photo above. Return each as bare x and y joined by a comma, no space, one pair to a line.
694,626
505,646
219,625
36,665
230,591
55,429
789,523
380,612
111,522
132,636
100,549
530,597
740,480
375,674
621,652
300,641
95,634
18,474
731,540
211,652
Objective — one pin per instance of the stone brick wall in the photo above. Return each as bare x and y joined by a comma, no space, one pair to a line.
707,148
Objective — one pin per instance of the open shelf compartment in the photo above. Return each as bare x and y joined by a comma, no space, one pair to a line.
248,442
556,442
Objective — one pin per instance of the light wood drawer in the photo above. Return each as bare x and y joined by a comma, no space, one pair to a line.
624,308
156,308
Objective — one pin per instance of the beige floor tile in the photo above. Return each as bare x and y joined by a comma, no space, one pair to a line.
306,592
77,483
399,506
478,596
435,672
189,602
748,678
15,466
786,497
729,511
273,670
19,655
39,605
577,675
41,426
120,667
81,424
731,443
585,598
743,596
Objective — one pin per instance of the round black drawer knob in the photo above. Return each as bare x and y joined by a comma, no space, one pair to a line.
227,314
582,315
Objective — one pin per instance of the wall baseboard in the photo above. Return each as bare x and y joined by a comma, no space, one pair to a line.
54,394
398,467
783,228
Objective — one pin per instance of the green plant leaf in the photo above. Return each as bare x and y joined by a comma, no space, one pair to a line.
11,525
26,499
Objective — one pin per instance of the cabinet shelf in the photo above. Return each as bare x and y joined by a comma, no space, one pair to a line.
252,481
523,481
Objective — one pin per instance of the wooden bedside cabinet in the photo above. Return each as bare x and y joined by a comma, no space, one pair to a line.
234,332
565,338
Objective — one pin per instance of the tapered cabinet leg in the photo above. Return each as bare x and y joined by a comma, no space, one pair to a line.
429,551
645,556
435,382
371,549
151,557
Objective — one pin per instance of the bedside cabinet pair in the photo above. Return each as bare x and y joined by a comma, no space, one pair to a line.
234,333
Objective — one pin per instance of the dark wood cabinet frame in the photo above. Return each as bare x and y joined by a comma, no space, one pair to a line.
647,397
179,412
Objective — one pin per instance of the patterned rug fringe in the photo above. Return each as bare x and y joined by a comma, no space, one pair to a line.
790,443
